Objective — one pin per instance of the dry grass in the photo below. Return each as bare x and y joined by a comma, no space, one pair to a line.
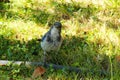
91,33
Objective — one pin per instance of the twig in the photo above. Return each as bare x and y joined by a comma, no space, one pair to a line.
54,66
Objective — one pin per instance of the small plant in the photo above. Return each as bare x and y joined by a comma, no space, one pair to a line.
91,37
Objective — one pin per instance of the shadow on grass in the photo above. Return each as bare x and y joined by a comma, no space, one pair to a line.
75,51
61,11
18,50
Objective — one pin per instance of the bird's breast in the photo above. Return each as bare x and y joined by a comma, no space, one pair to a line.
52,42
50,46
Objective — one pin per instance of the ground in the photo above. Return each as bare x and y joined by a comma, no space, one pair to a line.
91,38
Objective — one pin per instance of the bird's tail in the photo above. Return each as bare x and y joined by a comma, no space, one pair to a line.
39,39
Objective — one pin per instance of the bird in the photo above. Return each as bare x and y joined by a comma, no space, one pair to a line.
52,40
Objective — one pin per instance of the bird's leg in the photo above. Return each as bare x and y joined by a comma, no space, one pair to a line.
44,58
56,52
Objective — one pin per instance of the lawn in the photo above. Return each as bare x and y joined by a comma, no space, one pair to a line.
91,38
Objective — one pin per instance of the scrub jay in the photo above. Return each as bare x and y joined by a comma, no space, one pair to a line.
52,40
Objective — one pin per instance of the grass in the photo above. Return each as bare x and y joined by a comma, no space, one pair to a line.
91,37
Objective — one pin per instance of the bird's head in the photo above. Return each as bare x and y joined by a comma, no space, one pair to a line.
57,25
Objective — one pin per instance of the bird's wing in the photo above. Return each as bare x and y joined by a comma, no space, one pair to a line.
44,37
47,35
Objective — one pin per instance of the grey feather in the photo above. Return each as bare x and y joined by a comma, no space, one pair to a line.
52,40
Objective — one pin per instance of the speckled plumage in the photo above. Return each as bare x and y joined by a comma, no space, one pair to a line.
52,40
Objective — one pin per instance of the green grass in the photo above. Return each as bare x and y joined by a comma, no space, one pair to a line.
91,37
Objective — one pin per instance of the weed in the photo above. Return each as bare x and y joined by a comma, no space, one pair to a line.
91,37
